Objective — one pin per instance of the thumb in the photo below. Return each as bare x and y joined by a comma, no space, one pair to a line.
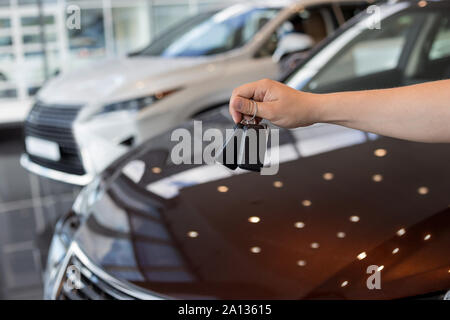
241,106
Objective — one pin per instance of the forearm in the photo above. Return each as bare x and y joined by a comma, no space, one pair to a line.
418,113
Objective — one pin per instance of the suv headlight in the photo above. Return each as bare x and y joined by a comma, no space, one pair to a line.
137,104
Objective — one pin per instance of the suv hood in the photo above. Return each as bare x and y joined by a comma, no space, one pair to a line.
125,78
198,242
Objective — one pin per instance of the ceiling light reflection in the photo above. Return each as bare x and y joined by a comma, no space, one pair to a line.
401,232
255,249
395,250
222,189
306,203
422,3
301,263
192,234
278,184
344,283
380,152
362,255
299,224
377,177
254,219
354,218
156,170
328,176
340,234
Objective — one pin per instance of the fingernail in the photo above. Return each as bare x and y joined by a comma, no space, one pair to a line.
239,104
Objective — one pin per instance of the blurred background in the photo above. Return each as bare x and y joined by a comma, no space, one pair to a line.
35,45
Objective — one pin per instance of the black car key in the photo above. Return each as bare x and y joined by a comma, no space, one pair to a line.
246,148
228,156
253,147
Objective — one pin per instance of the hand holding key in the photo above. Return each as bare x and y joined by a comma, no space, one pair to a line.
276,102
418,112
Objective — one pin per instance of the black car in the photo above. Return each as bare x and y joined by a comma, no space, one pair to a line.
342,201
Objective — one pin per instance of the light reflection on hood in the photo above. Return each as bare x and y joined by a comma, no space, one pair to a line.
306,142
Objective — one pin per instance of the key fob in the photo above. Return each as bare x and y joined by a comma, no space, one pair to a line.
228,155
245,148
253,147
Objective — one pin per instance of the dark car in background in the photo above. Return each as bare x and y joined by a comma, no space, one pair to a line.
343,200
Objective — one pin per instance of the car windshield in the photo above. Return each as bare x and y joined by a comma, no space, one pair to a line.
211,33
412,46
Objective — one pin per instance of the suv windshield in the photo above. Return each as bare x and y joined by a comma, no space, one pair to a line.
411,46
211,33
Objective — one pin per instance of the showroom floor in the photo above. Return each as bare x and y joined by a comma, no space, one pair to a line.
29,208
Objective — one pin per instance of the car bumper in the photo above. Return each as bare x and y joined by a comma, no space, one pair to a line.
54,174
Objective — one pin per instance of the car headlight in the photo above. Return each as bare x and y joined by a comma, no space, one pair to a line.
137,104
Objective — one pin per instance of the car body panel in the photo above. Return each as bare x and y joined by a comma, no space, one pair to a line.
144,238
112,80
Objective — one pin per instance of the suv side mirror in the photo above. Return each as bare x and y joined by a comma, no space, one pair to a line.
292,43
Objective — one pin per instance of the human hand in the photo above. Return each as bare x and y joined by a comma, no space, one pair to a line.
278,103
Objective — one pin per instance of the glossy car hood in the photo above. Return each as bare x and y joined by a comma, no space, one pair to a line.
198,242
121,79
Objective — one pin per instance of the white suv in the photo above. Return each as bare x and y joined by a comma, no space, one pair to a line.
83,120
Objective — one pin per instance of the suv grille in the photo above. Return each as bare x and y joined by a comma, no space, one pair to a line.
54,123
91,286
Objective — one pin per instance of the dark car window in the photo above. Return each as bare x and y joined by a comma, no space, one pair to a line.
211,33
310,22
441,44
410,47
373,51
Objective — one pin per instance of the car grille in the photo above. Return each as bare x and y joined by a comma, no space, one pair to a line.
90,286
54,123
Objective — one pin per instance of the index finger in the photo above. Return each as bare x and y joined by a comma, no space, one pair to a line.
245,91
252,90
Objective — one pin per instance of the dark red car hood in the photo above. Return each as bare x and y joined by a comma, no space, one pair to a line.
199,243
